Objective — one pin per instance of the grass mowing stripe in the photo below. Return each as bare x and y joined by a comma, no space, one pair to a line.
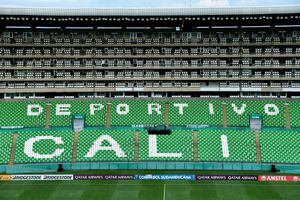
88,190
169,184
237,184
11,192
164,198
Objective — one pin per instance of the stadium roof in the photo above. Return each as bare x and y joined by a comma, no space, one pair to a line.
149,12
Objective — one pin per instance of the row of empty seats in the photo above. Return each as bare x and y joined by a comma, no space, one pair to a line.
280,146
143,51
131,86
98,37
147,74
105,63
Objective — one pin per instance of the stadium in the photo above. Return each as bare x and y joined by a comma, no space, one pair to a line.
191,103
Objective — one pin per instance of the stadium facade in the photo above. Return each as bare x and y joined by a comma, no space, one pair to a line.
191,52
143,54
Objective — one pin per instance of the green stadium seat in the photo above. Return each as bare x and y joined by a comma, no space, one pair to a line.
294,107
14,113
5,147
196,113
241,145
280,146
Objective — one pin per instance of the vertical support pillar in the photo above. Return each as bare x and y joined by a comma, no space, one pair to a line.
108,115
48,115
167,114
195,146
224,115
136,149
287,116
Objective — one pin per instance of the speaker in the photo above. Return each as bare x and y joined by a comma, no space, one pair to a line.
60,168
273,169
157,131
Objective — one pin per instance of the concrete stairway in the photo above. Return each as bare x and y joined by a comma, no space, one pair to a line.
75,144
136,148
195,146
13,149
258,149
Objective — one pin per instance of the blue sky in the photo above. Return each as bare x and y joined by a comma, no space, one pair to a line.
143,3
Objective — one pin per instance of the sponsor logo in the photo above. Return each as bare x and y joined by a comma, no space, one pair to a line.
26,177
12,127
103,177
296,179
48,177
165,177
58,177
272,178
197,126
142,125
227,177
5,177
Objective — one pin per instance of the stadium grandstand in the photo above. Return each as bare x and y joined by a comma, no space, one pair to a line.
71,53
80,87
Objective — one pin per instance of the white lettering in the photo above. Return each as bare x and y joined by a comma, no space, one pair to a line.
211,109
95,107
274,107
114,146
122,109
63,109
239,111
224,143
153,149
181,106
31,112
28,147
154,107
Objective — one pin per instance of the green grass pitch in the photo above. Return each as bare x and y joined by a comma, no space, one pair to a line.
149,190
